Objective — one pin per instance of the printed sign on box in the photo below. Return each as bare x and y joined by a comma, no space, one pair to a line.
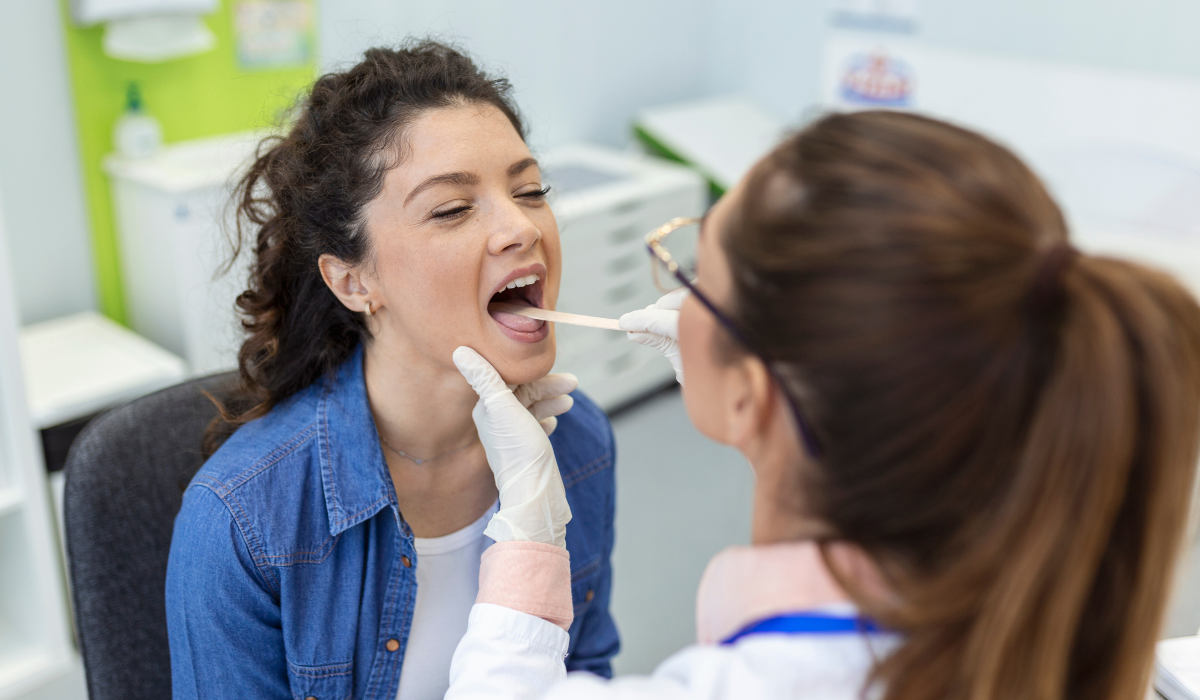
876,80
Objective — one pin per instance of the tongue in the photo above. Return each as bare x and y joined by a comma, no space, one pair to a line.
517,322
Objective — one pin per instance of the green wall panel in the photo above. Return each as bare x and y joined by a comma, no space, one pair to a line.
202,95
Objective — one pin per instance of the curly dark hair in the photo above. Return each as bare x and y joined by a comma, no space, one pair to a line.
305,196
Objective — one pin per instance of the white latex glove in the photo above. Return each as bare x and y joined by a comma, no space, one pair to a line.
533,502
657,326
546,398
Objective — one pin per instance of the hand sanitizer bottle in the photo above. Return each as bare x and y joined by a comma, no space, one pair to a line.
136,133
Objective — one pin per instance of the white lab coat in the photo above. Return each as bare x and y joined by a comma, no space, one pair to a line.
510,655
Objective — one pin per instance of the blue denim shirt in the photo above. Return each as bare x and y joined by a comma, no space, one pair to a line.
292,571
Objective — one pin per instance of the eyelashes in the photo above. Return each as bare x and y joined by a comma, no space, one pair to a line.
535,195
452,213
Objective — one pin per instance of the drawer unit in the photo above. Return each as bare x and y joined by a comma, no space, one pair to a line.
606,202
614,371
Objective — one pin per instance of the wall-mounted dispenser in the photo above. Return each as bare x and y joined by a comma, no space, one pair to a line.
149,31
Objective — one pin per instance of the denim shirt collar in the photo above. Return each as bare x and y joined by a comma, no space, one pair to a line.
354,473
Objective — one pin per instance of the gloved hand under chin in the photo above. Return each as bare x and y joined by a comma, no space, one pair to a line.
533,501
547,398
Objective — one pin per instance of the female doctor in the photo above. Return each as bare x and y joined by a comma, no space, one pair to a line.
973,445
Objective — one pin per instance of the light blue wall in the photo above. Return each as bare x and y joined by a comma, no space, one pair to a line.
771,49
767,49
580,70
583,69
40,175
1149,35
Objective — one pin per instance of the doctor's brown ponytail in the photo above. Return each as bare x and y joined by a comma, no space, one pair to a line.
1009,426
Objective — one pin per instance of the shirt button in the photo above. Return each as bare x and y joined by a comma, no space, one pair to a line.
406,562
588,598
392,645
310,698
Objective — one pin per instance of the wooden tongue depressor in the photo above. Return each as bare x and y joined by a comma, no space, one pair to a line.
556,316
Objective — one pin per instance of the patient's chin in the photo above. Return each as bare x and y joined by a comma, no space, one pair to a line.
522,370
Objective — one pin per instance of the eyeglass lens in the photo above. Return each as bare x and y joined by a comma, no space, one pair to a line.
681,245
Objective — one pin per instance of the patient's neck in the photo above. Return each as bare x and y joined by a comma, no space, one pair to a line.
420,407
424,409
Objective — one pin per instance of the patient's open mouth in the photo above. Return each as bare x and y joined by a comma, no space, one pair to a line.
521,290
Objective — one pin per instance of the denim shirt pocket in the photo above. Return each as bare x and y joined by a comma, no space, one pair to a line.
326,682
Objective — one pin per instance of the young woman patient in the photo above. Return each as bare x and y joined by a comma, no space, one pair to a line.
330,547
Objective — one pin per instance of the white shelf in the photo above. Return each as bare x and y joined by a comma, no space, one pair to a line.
10,500
35,645
24,670
77,365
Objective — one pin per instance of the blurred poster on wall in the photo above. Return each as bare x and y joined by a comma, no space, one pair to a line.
274,33
1119,149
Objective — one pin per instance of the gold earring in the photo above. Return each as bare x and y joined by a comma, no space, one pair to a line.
369,311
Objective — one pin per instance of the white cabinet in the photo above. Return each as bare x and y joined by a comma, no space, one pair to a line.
35,642
172,212
606,202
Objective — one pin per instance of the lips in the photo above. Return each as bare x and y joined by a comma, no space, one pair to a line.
522,287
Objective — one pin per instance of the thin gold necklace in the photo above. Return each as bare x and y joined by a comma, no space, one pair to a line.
420,461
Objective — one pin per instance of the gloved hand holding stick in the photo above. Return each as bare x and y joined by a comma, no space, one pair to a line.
657,326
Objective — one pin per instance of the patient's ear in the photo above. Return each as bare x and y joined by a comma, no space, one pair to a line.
347,282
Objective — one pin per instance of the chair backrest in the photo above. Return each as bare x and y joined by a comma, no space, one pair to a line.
125,477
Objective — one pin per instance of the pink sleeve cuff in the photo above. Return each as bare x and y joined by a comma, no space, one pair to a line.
529,577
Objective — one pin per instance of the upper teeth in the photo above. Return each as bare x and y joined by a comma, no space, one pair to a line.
522,281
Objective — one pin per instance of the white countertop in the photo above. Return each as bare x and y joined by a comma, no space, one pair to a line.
80,364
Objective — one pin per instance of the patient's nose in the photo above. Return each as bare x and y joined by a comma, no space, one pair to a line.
513,232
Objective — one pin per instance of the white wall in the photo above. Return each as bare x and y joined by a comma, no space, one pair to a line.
1151,35
48,233
771,49
767,49
580,70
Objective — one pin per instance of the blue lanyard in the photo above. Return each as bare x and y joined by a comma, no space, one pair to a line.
806,623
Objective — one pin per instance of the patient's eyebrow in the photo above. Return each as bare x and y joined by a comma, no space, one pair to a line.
521,165
443,179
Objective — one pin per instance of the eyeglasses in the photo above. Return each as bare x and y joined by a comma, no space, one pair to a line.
673,271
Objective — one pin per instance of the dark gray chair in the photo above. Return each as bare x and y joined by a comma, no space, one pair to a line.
125,477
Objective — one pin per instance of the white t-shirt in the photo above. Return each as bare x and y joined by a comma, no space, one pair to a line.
447,583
